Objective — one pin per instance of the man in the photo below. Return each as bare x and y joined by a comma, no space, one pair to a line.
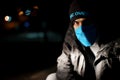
86,55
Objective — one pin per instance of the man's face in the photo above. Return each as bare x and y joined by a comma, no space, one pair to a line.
78,22
82,22
85,31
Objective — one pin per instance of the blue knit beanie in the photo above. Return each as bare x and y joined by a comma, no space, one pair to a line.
81,8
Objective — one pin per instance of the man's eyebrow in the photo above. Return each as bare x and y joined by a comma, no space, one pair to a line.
76,22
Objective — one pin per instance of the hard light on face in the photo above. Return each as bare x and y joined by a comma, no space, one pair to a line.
83,22
85,31
78,22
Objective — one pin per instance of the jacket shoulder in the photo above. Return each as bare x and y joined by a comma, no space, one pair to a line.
111,49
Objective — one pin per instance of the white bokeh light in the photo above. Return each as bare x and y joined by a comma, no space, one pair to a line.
8,18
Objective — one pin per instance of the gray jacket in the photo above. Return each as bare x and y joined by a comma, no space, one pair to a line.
78,63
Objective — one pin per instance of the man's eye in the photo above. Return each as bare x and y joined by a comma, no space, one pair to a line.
76,22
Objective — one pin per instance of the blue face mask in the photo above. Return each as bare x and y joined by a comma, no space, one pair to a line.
86,35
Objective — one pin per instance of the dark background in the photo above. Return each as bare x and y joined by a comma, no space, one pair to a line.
33,50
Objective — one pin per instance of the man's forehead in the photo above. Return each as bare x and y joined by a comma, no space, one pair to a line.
80,19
